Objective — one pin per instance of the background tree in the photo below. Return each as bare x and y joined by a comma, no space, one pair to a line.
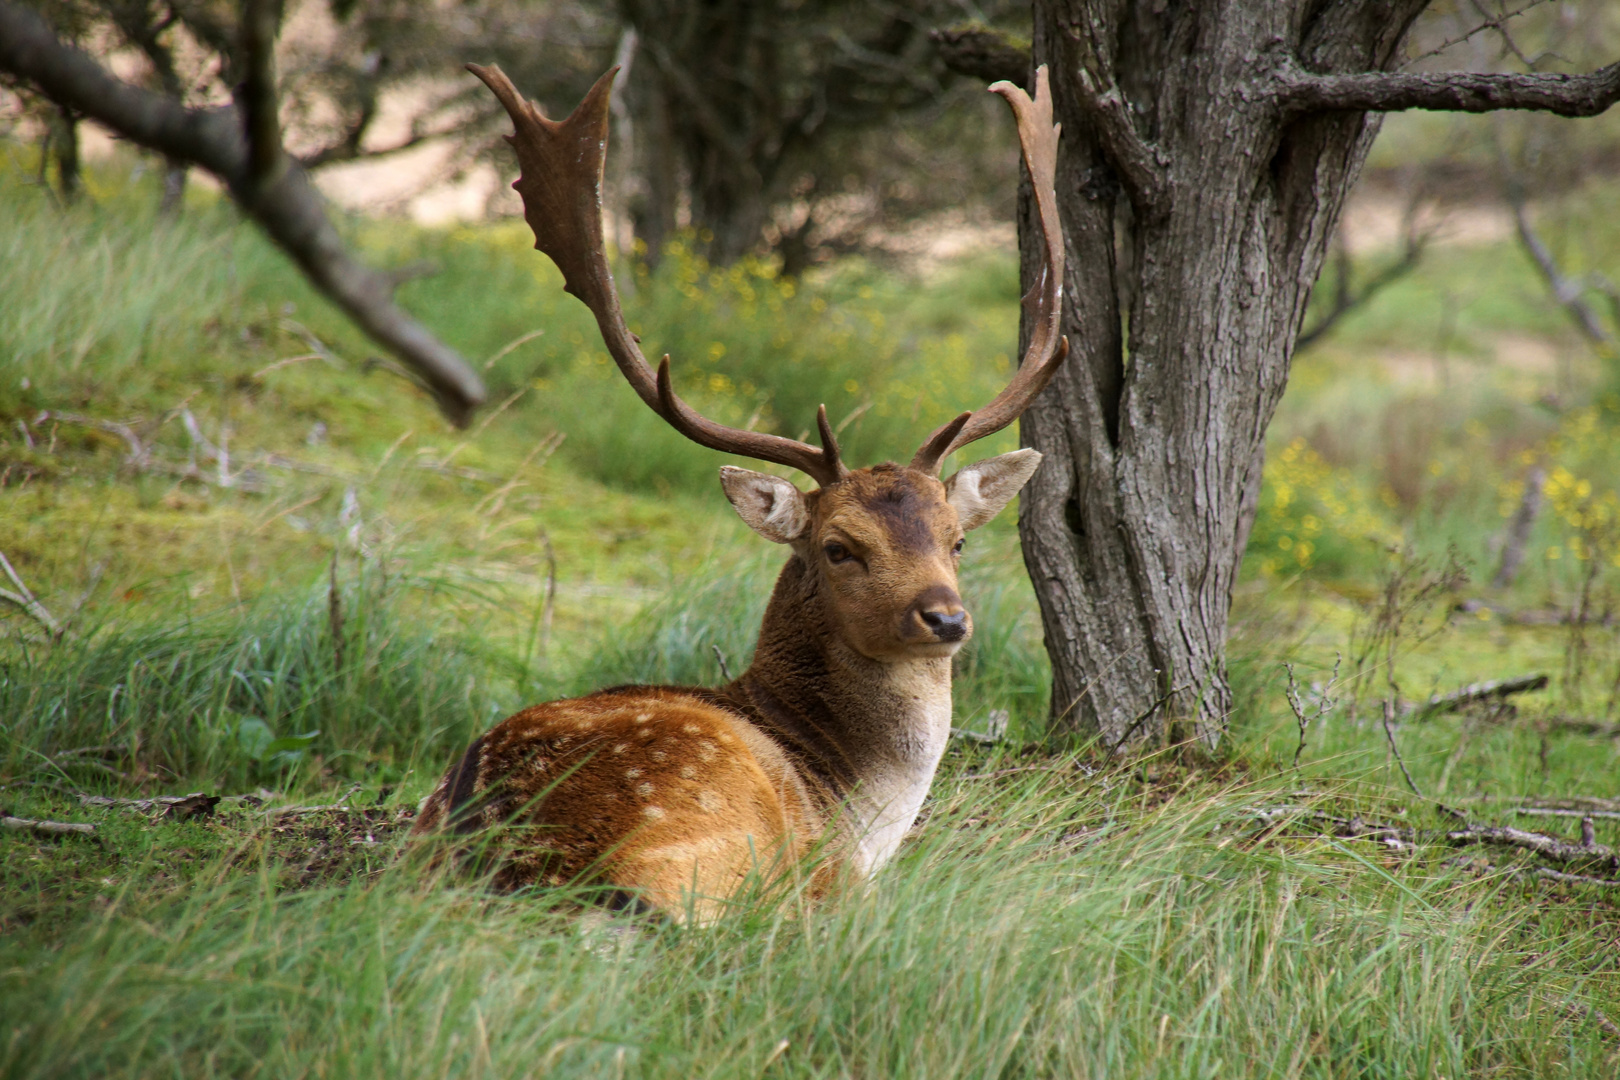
1208,152
241,144
741,100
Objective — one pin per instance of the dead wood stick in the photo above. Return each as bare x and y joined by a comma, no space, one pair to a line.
1551,811
1573,802
1474,693
1548,874
48,828
196,804
1547,847
1550,848
25,599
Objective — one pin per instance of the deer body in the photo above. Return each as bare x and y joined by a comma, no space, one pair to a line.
830,740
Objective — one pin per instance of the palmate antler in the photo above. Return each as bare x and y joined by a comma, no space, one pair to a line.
1044,302
561,165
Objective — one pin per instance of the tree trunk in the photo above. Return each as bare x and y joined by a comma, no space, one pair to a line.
64,144
1197,215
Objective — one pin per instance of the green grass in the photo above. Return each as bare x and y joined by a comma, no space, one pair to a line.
1046,922
1148,938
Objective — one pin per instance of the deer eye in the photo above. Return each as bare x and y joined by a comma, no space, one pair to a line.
956,548
836,553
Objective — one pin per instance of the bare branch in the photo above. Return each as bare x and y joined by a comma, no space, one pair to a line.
25,599
195,805
1299,91
1324,704
1565,290
138,452
1550,848
1488,24
1346,300
1389,733
1584,815
348,148
284,203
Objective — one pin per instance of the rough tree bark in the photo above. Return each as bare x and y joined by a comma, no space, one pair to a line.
1207,153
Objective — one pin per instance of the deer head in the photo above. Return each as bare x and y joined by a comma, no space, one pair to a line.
882,541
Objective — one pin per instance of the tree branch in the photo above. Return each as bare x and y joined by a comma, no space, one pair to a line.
980,52
1346,300
284,202
1300,91
1566,291
1138,162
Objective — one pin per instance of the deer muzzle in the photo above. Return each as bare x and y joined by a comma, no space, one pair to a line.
937,615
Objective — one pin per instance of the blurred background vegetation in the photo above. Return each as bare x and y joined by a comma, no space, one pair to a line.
259,556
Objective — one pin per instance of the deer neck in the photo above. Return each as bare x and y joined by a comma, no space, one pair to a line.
869,734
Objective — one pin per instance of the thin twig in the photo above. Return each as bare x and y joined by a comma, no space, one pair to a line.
720,658
1151,709
1389,733
1489,24
1324,703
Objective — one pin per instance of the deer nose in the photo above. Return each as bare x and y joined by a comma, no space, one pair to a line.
940,610
946,625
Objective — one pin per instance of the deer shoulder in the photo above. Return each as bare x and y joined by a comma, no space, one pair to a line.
828,743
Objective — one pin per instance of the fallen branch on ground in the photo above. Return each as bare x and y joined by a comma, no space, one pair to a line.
1586,853
1548,874
1576,802
1545,811
197,804
1473,694
48,828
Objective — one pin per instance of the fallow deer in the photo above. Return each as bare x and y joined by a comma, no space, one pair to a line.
831,738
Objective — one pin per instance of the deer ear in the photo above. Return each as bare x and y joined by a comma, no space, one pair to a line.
979,491
769,505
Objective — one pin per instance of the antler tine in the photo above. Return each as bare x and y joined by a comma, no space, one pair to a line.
821,465
561,164
1047,347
